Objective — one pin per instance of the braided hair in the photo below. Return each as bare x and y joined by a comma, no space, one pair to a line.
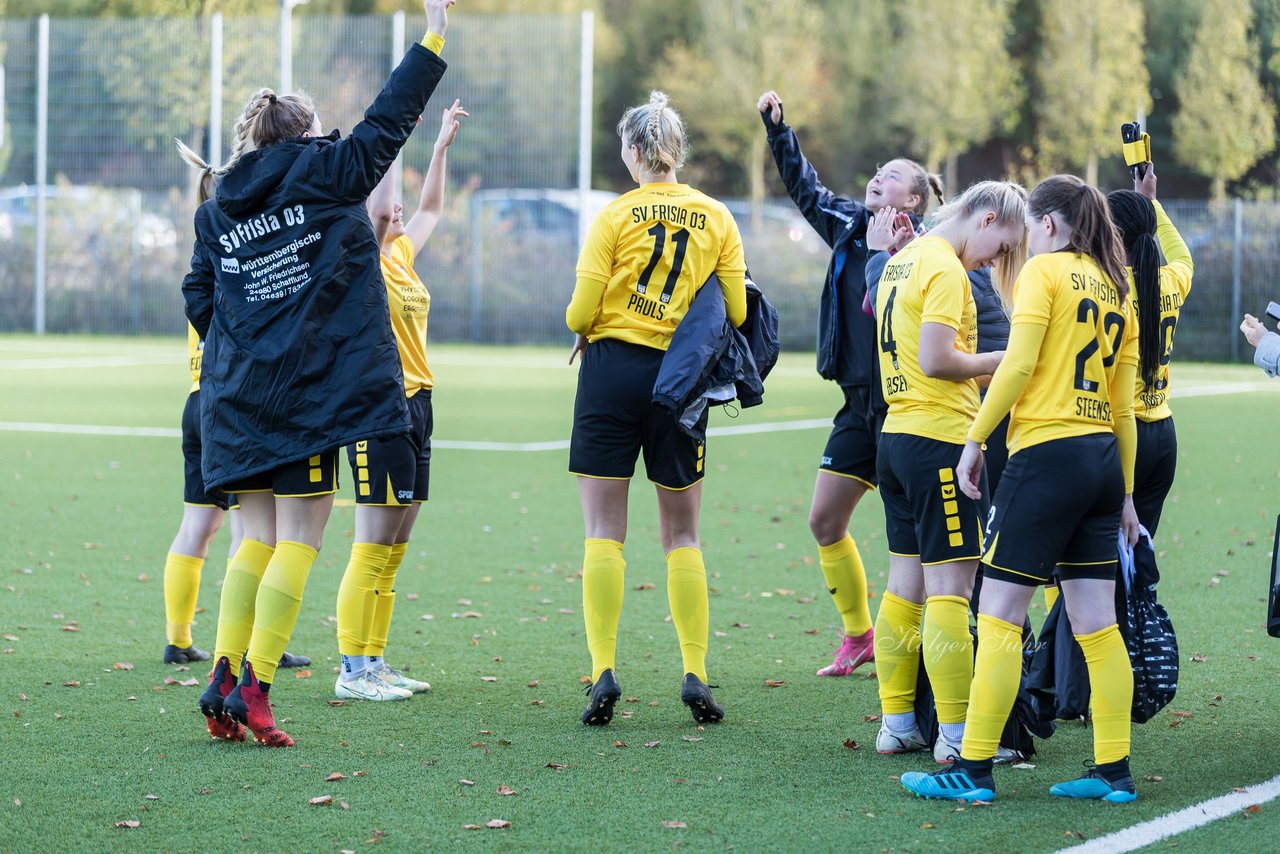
658,131
1135,217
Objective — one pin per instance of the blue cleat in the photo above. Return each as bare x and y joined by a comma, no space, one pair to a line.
1111,782
963,780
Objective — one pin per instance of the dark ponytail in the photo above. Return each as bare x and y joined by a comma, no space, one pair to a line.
1083,210
1135,218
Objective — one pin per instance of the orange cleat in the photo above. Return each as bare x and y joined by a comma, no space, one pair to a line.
248,704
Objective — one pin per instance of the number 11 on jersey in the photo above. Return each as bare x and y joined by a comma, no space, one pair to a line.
681,241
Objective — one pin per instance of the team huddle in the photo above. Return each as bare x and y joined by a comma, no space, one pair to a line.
1005,387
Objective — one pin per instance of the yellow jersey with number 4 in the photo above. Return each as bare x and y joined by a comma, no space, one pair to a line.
409,304
652,249
925,283
1088,331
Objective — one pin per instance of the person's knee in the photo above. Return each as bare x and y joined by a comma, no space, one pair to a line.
827,526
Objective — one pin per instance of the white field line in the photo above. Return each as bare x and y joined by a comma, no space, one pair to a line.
555,444
1196,815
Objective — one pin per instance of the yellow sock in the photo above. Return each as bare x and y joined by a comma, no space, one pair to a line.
239,596
948,655
602,572
995,686
1111,679
897,653
847,582
356,596
385,603
181,587
687,595
1051,592
279,600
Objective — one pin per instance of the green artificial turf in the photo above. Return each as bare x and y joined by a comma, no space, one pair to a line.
87,520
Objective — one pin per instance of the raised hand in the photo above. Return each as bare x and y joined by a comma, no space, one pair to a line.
449,124
771,103
437,15
1146,185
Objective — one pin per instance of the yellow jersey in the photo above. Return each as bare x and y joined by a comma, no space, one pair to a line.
195,354
409,303
1088,331
1152,404
925,283
652,249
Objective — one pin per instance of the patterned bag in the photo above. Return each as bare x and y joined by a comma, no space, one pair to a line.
1147,630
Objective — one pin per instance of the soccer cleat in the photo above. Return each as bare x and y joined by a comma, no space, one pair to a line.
602,696
397,679
288,659
1110,782
221,683
184,654
945,752
248,705
888,741
696,694
368,686
852,654
960,781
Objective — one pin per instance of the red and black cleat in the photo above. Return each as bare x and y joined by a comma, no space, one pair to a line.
248,704
221,683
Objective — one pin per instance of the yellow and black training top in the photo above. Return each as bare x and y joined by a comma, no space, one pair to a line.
1152,404
925,283
1076,335
409,304
646,256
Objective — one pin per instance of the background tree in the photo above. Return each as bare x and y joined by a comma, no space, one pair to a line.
1227,122
743,48
955,85
1091,80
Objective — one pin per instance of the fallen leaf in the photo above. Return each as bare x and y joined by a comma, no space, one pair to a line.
466,782
646,585
336,703
555,766
1023,766
1153,778
740,626
691,738
676,824
130,823
486,732
22,697
774,683
928,825
472,827
488,678
57,716
1253,808
320,801
189,683
1239,791
630,699
533,684
169,680
17,802
1183,714
71,628
851,744
619,744
467,615
71,683
344,805
361,774
335,777
412,597
812,631
584,680
1199,659
507,791
302,674
151,797
871,718
497,823
11,637
537,703
120,665
204,791
142,578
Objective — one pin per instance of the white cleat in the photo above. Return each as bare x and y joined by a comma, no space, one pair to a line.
368,686
397,679
945,752
888,741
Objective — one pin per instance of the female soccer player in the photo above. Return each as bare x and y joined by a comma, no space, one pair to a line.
846,354
391,474
928,369
202,512
299,357
1158,295
647,254
1068,376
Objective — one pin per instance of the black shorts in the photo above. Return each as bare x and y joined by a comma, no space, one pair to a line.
851,447
1058,506
615,420
315,475
395,470
193,491
1153,470
926,515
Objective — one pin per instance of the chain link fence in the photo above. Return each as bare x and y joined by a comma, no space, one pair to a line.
501,264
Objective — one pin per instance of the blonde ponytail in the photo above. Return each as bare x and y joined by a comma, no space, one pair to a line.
205,191
658,131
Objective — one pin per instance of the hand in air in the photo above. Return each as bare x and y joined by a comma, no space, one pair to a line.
437,15
969,470
889,230
771,103
449,124
1146,185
